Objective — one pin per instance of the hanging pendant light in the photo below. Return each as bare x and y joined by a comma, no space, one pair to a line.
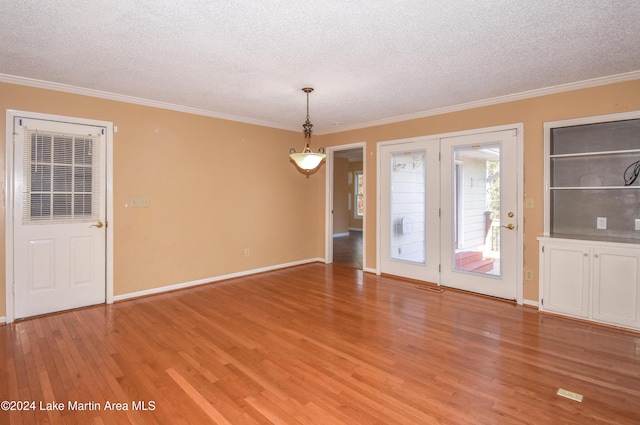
307,160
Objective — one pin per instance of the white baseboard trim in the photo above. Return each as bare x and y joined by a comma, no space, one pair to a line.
3,320
355,229
184,285
370,270
531,303
337,235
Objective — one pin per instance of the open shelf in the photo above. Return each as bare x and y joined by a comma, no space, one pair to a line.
588,168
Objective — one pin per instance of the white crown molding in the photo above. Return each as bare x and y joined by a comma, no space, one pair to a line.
12,79
612,79
48,85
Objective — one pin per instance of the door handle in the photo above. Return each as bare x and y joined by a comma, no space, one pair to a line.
99,225
509,226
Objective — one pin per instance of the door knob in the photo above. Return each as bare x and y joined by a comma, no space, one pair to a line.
509,226
98,225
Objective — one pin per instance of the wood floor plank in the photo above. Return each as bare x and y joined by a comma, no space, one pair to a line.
319,344
202,402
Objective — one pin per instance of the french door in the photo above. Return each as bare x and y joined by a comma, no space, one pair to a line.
449,212
409,202
59,216
480,213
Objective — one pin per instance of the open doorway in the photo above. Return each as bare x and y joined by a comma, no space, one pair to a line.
347,207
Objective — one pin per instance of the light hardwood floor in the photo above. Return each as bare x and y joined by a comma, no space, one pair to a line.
318,344
348,249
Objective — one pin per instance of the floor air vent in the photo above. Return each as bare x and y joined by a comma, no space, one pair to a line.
570,395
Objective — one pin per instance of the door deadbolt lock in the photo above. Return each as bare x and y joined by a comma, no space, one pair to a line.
99,225
510,214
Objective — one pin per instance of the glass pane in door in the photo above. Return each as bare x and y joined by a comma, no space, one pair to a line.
408,194
476,209
61,183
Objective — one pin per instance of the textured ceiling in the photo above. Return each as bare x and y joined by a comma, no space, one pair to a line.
370,61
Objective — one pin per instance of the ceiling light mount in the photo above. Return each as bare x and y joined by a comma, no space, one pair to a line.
307,160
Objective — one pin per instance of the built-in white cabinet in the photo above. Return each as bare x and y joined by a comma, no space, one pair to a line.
565,278
590,250
592,280
615,285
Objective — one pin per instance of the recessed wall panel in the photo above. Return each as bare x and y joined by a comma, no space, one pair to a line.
41,265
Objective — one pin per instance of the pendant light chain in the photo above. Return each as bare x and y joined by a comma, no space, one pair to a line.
307,160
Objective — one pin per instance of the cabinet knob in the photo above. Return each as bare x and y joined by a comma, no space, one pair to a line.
586,255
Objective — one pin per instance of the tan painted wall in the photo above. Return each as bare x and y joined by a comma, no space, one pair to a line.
216,187
533,112
340,195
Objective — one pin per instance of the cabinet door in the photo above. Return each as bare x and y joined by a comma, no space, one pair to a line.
615,296
566,279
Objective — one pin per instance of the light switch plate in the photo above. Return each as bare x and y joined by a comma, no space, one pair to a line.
528,203
601,223
140,202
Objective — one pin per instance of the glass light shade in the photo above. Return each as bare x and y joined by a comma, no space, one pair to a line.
307,160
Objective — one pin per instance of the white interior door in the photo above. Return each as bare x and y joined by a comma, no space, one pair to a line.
480,213
59,215
409,196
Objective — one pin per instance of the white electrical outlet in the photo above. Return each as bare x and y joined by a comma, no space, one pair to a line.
601,223
637,222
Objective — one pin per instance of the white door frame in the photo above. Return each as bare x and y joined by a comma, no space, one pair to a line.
519,128
328,251
9,204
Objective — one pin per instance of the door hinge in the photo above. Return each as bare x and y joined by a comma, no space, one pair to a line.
439,212
439,268
542,301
